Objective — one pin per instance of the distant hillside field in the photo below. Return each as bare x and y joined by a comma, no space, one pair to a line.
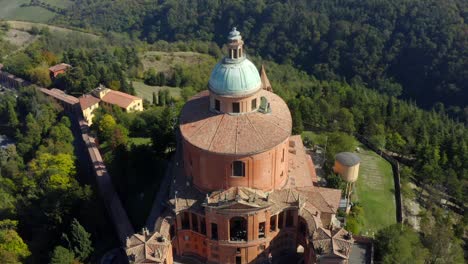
18,37
23,25
164,61
146,91
13,9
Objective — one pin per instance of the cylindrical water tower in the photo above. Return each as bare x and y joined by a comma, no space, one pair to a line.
347,166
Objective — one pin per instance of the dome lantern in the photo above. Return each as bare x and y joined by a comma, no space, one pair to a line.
235,45
235,75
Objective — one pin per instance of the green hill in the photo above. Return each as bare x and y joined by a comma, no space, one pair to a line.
23,10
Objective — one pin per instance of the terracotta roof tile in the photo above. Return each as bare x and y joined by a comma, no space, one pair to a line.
235,134
59,67
87,101
301,170
118,98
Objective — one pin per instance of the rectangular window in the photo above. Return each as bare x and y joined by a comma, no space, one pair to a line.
217,105
185,220
238,169
235,107
202,226
214,231
254,104
273,223
194,222
261,230
238,260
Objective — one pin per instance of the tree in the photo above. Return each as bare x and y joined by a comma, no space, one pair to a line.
80,241
40,75
395,142
440,240
298,126
338,142
352,225
13,121
119,137
62,255
31,137
345,120
53,171
12,247
106,127
334,181
155,100
399,244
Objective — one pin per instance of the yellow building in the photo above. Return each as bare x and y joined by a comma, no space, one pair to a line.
88,104
127,102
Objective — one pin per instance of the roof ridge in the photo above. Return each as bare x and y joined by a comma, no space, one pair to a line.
214,135
123,94
259,135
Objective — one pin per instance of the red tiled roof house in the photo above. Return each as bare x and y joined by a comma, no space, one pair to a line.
55,70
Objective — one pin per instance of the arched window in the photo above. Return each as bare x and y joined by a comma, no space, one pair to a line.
238,169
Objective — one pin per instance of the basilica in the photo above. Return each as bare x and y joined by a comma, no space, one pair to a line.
243,189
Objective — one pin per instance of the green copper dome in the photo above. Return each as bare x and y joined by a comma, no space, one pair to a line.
235,75
239,78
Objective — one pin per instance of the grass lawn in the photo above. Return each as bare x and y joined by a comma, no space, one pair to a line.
146,91
375,192
13,10
163,61
59,3
374,189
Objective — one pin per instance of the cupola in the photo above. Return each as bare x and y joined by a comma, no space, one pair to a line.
235,75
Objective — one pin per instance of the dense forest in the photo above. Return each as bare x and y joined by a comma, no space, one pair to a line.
95,61
44,204
327,55
414,48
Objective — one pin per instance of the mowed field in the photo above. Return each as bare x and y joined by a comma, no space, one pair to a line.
146,91
164,61
375,192
374,189
12,10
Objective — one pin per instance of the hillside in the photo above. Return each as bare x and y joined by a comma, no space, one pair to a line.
415,48
40,11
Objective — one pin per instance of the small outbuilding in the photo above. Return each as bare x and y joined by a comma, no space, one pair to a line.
58,69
